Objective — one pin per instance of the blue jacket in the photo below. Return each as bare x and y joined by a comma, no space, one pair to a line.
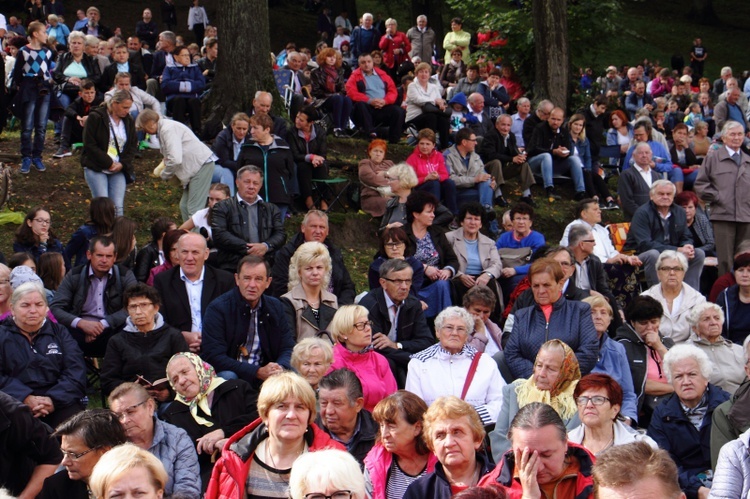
613,360
225,326
584,152
631,103
52,366
53,246
729,301
570,322
435,485
534,240
183,81
646,231
75,251
690,448
661,157
176,451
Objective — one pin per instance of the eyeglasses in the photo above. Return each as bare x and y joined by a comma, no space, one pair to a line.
450,329
589,240
129,411
597,400
565,264
74,456
135,306
394,245
399,282
361,326
672,269
339,494
43,221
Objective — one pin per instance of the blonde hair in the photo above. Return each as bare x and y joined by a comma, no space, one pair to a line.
307,254
121,459
451,407
305,349
343,322
599,302
279,387
340,472
407,179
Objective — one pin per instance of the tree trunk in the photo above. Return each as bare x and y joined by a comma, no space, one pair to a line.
244,62
703,12
551,50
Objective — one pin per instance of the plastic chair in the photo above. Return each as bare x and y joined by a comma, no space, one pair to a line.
618,232
326,188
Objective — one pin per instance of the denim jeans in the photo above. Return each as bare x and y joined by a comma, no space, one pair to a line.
35,115
542,163
445,192
65,101
108,186
225,176
482,192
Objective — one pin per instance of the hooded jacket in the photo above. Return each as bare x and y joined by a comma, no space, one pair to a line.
423,165
277,164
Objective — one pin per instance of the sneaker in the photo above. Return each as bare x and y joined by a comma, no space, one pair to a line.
37,162
528,200
62,152
25,165
611,205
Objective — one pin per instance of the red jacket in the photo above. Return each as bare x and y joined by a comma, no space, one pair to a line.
397,41
423,165
502,475
355,86
230,472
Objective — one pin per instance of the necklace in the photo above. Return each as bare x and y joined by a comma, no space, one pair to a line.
597,451
269,456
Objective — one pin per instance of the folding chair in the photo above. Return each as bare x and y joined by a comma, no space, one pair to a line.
610,152
283,79
325,188
618,232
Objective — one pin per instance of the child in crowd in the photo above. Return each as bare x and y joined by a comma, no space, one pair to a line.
75,118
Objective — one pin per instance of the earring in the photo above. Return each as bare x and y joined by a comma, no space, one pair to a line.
345,338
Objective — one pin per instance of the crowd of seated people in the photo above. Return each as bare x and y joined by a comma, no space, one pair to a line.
233,352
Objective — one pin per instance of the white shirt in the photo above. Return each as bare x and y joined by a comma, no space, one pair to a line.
646,175
194,291
393,311
604,249
517,129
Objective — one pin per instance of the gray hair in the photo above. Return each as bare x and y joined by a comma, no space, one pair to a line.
455,313
169,36
393,265
661,183
422,16
522,100
535,416
730,125
407,179
146,116
340,472
263,93
315,213
694,317
366,15
686,351
343,378
251,169
745,345
642,145
577,233
545,104
672,255
28,288
89,40
391,20
119,96
306,347
726,70
52,17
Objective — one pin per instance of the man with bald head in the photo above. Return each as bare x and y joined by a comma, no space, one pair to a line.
635,183
186,290
484,124
262,105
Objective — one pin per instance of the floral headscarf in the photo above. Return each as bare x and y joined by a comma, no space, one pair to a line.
208,382
560,397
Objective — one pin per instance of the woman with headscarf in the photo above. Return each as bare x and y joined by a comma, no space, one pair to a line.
210,409
556,374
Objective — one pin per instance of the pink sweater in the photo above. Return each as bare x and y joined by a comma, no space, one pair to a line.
373,372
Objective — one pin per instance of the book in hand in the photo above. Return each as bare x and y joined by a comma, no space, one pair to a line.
159,384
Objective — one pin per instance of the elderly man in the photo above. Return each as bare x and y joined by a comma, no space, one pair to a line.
399,327
161,59
262,103
742,101
246,334
342,414
466,169
639,99
661,225
730,109
314,227
642,132
543,109
627,85
374,95
483,126
523,108
187,289
15,26
89,299
246,224
549,151
365,37
94,27
146,29
634,184
720,84
609,84
295,63
724,183
422,39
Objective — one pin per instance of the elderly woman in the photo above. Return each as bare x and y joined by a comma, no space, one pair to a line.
135,408
451,367
210,409
612,359
735,301
185,157
480,302
309,305
454,433
555,376
478,259
307,141
727,359
142,349
400,455
542,458
311,358
394,243
85,438
402,179
35,234
425,106
432,250
599,400
257,460
676,297
340,478
731,476
352,331
395,46
40,362
374,179
109,146
552,316
681,424
71,69
182,84
128,471
328,89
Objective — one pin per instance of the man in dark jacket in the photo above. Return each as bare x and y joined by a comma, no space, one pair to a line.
94,27
246,334
123,61
597,123
89,301
342,414
399,327
262,105
661,225
146,29
245,224
499,146
314,228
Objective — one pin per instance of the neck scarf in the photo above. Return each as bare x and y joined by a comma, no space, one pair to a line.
208,383
560,397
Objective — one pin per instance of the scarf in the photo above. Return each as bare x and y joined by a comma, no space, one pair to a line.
332,75
208,383
560,397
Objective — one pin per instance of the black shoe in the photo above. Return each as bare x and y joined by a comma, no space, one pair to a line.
528,200
579,195
501,202
552,196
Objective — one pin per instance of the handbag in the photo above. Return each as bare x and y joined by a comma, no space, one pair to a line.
471,373
514,257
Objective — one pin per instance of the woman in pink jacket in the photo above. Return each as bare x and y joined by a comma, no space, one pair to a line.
429,165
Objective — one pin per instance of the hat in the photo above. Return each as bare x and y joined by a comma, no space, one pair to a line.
611,68
21,275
